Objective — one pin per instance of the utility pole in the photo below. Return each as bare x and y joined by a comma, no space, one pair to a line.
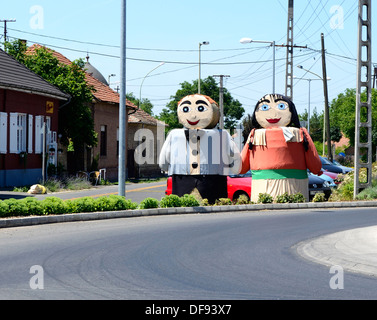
327,114
5,28
363,112
122,107
221,99
289,60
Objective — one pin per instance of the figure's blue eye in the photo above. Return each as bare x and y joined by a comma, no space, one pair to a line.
186,109
201,108
282,106
264,107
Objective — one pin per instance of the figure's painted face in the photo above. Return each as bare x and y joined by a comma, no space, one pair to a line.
273,111
198,112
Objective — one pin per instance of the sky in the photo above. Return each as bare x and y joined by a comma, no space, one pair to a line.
170,31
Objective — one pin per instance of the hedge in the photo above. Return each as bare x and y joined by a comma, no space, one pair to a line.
53,205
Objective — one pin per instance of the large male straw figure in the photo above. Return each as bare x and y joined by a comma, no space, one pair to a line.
199,157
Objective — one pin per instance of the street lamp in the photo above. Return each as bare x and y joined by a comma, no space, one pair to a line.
248,40
161,64
309,81
324,118
200,45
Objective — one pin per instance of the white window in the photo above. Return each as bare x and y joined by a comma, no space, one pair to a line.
17,133
39,120
3,132
30,134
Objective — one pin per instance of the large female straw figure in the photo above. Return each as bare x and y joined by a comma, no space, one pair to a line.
199,157
278,150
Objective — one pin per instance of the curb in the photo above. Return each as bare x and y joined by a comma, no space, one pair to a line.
75,217
354,250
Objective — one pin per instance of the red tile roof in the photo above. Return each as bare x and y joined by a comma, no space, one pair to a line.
102,92
140,116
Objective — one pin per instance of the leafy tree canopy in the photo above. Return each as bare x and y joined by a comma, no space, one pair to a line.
233,110
342,115
75,118
144,104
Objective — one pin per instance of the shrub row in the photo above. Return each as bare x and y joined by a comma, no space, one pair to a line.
54,205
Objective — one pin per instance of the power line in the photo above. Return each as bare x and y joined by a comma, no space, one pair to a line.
128,48
153,60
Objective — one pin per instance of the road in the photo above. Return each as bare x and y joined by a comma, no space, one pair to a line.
250,255
134,191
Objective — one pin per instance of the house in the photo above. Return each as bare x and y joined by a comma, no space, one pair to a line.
28,104
105,111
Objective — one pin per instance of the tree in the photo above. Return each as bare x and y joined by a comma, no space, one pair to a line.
247,127
342,115
145,104
233,110
75,119
316,126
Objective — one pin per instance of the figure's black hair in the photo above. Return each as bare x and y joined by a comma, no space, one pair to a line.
295,121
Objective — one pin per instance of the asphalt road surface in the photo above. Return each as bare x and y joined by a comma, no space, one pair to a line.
195,256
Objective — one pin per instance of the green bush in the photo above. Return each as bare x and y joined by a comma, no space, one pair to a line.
223,202
113,203
188,200
345,190
85,204
367,194
16,207
121,203
104,204
319,197
298,198
149,203
21,189
54,205
34,206
171,200
205,202
242,199
4,209
265,198
284,198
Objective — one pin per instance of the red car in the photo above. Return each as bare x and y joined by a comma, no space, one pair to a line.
241,185
236,186
332,175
